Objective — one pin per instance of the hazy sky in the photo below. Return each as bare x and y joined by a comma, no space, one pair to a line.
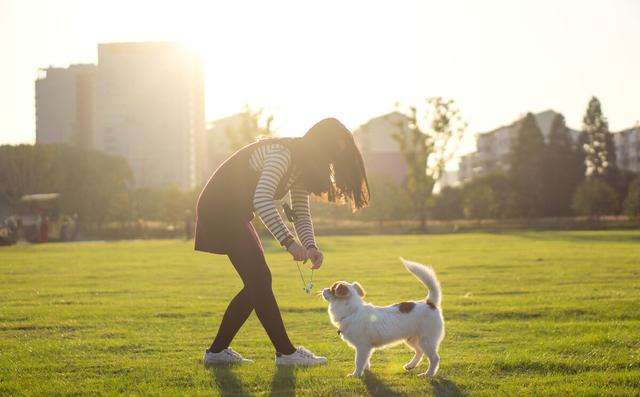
349,59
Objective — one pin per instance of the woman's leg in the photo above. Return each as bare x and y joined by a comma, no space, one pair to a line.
248,259
252,267
236,314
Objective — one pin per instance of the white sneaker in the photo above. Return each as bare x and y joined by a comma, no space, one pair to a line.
226,356
301,356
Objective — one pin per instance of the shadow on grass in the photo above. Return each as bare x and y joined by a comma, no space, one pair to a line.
283,382
441,388
227,382
446,388
377,388
585,235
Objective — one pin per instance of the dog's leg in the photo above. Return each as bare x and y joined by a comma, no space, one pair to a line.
414,343
431,350
363,353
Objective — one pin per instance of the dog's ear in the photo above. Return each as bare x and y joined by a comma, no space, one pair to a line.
341,291
359,288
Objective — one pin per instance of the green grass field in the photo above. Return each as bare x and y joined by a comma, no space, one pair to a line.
527,314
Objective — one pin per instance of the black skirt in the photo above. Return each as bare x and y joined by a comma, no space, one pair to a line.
225,206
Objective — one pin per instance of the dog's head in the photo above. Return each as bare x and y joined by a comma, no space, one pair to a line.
343,291
343,298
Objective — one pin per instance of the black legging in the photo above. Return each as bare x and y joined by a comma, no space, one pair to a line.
248,259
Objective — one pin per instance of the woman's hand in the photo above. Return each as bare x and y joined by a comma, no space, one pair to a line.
316,257
297,251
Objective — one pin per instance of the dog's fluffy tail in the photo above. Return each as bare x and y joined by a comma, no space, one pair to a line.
428,278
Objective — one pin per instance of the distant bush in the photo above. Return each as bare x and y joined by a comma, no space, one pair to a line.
631,205
389,201
595,198
448,204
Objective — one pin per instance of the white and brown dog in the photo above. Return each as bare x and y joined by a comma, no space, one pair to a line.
367,327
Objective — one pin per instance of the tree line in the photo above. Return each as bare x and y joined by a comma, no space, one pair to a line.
556,177
560,176
94,186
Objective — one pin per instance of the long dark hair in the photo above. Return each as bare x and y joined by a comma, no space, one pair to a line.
331,165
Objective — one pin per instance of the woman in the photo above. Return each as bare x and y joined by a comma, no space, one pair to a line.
325,162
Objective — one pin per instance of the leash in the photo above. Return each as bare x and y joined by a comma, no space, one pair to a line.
306,287
291,216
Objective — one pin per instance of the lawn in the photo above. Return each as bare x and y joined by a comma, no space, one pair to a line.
527,314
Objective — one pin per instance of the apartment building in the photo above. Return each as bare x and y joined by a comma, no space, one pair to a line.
149,108
64,105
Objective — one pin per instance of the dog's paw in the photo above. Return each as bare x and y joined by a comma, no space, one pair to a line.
354,375
408,367
426,374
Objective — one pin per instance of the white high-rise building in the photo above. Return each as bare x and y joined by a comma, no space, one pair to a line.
628,149
494,147
149,108
64,105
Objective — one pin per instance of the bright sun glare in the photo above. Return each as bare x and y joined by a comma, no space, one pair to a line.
299,69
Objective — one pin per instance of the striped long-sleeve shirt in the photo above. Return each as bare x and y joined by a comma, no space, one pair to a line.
272,161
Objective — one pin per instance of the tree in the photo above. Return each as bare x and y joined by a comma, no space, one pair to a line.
526,168
480,203
120,209
167,203
86,179
429,139
449,203
622,183
488,196
91,181
581,155
562,170
26,169
600,151
174,203
256,123
595,197
631,205
391,201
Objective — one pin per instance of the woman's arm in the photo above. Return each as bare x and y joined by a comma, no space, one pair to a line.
276,163
302,223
